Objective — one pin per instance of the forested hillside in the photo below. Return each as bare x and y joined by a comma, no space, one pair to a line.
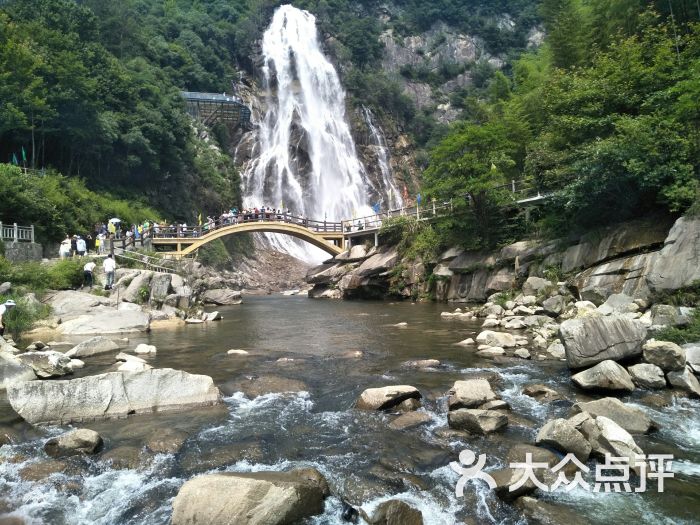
606,108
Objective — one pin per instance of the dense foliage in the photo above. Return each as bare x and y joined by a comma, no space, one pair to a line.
610,124
59,206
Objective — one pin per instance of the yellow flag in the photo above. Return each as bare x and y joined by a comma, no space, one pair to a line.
199,218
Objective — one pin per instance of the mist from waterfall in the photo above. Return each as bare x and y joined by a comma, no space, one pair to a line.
307,160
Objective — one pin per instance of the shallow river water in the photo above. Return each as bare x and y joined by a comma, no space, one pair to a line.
364,460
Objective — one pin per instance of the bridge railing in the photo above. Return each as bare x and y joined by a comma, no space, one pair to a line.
182,231
15,233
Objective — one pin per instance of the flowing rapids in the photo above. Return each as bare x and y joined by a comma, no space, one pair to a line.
309,421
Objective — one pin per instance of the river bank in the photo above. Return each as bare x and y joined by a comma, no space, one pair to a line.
288,403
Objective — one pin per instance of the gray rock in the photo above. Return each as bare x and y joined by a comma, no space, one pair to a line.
561,435
617,441
554,306
386,397
685,381
107,322
692,356
378,263
591,340
133,292
667,315
507,477
607,375
13,370
676,265
47,363
522,353
111,395
618,303
255,498
499,339
646,375
5,287
471,393
628,417
476,421
75,442
556,350
664,354
160,287
93,346
69,304
410,420
396,512
221,297
541,392
534,285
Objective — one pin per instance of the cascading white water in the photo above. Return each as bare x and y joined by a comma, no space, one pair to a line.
307,160
388,190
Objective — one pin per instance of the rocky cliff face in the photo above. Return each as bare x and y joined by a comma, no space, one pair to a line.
641,259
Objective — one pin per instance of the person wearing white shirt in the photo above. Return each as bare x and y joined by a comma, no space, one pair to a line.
109,266
4,308
88,270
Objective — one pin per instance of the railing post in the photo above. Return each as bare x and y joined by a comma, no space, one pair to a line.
16,234
2,232
512,183
32,233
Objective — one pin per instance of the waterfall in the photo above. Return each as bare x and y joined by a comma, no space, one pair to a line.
306,160
389,192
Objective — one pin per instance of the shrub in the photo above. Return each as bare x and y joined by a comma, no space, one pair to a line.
22,317
682,335
62,275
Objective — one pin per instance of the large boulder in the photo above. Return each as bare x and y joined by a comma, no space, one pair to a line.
555,305
607,375
93,346
395,512
476,421
535,285
75,442
561,435
111,395
668,315
160,286
590,340
69,304
386,397
666,355
617,441
628,417
255,498
107,322
646,375
13,370
378,263
471,393
677,263
685,381
48,363
692,356
133,292
499,339
221,297
618,303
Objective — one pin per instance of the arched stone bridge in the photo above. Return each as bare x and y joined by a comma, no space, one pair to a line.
183,241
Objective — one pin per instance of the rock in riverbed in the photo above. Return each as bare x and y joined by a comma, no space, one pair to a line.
75,442
386,397
607,375
395,512
47,363
630,418
561,435
110,395
471,393
255,498
664,354
591,340
93,346
476,421
12,370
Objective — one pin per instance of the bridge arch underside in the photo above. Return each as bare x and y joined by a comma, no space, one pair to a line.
321,240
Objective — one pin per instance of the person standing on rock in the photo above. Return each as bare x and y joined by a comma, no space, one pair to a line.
81,246
88,270
109,267
4,308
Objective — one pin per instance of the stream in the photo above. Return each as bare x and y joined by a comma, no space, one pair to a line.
325,353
